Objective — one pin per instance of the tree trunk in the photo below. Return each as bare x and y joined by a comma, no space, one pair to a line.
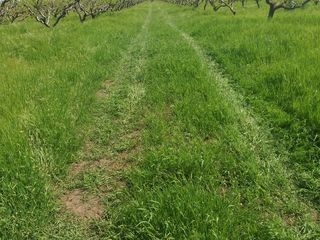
272,10
205,5
258,3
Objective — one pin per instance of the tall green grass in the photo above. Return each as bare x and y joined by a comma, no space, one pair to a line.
206,174
48,83
275,64
213,166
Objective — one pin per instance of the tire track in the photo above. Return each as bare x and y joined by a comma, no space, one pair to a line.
255,135
253,132
126,92
81,203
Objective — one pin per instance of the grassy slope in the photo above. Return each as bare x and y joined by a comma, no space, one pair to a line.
210,168
46,93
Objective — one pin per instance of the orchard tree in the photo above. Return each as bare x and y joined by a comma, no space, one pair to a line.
92,8
225,4
3,9
216,5
15,10
49,12
274,5
121,4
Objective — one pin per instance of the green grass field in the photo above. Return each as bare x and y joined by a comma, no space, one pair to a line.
162,122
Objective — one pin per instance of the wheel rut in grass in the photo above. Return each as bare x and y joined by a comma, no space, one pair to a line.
114,144
253,132
113,138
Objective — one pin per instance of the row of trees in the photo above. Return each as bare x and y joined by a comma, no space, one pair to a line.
274,5
51,12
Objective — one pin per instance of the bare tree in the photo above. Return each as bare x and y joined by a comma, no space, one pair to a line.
225,3
3,9
49,12
15,11
221,4
92,8
122,4
285,4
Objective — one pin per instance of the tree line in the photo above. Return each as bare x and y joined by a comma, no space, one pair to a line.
50,12
274,5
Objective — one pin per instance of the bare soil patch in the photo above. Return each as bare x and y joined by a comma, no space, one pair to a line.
78,167
106,85
82,204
